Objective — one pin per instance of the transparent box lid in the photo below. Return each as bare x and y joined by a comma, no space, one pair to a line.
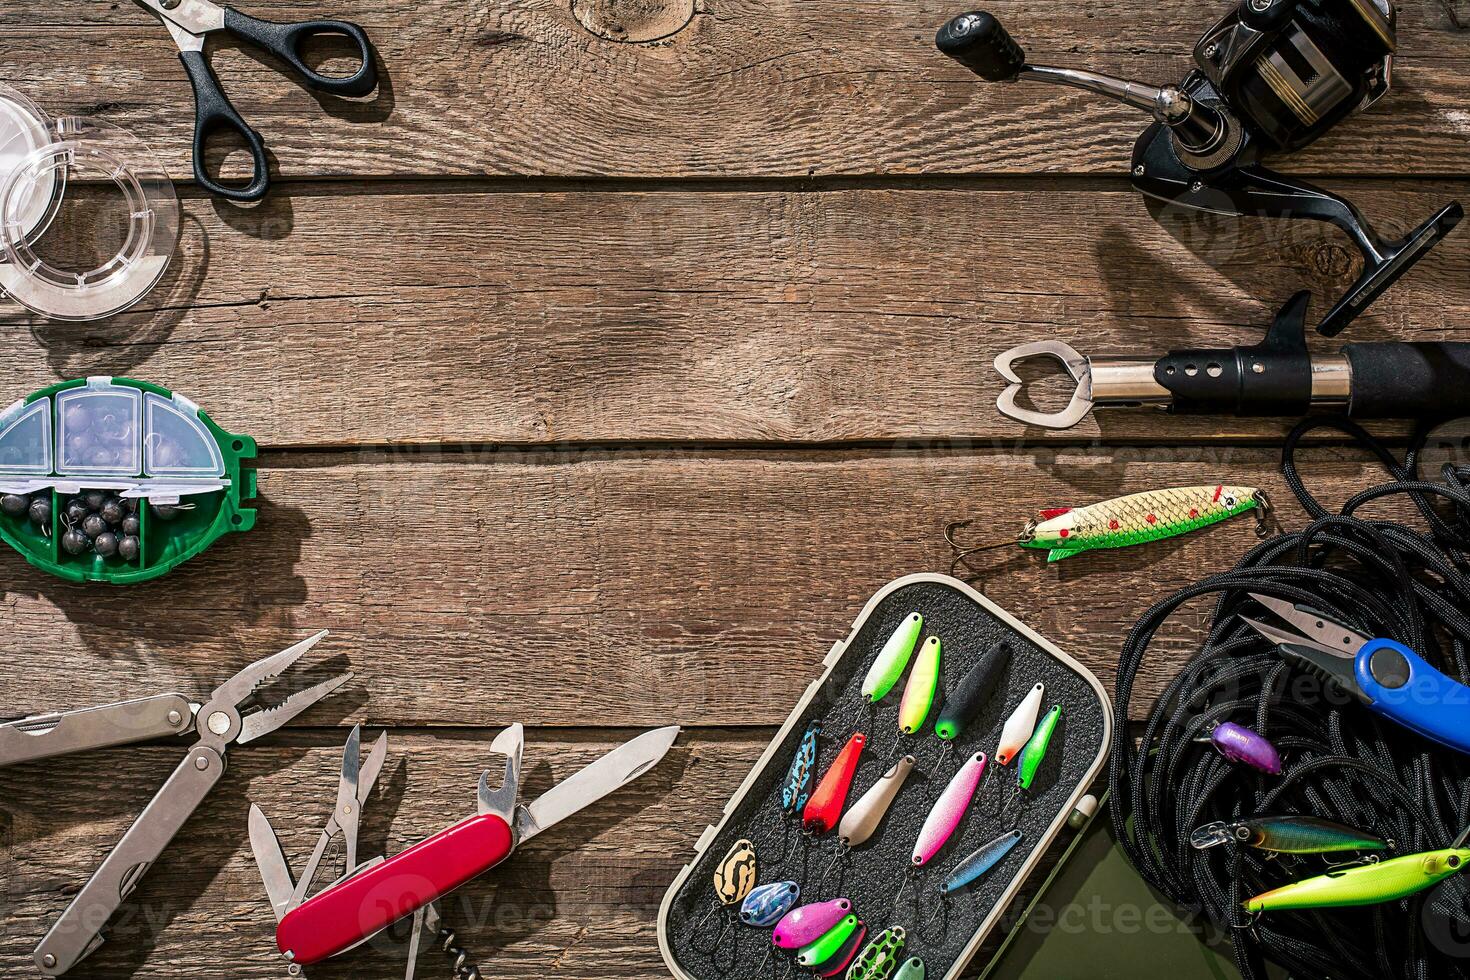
99,431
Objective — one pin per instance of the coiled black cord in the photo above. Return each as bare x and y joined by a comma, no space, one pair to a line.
1341,762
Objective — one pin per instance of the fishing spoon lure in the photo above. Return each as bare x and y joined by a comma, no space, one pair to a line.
880,959
797,787
1290,834
918,695
982,860
734,877
1365,884
1019,726
1240,744
824,808
948,810
766,905
1034,752
845,954
866,815
829,944
974,690
805,924
892,659
913,969
1121,522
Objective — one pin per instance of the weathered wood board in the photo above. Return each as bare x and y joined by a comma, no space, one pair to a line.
419,317
701,88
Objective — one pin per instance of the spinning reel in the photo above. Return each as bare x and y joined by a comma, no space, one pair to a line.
1273,76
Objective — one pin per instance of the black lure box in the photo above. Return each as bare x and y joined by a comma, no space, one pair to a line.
703,940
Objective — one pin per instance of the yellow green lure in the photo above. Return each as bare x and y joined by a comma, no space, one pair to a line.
1365,884
918,695
1137,518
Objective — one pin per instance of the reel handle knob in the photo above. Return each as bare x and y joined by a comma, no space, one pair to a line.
979,42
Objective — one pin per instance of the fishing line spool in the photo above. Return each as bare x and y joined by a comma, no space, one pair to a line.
67,251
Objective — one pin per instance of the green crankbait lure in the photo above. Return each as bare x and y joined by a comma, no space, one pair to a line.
918,696
1365,884
880,959
1035,751
1137,518
892,659
1287,835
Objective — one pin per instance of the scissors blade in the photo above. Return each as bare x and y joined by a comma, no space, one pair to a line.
613,771
347,801
271,861
1321,632
194,17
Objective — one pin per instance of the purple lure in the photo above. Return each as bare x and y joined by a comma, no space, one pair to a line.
804,926
1239,744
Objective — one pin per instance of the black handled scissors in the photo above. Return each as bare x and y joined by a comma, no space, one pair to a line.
189,21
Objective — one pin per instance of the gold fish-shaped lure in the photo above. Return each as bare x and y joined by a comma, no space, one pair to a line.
1137,518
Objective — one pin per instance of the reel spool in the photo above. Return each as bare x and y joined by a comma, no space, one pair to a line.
42,161
1272,76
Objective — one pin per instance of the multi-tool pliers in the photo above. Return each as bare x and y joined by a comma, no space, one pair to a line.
379,892
217,722
1386,676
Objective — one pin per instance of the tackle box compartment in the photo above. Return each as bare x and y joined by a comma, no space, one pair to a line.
967,624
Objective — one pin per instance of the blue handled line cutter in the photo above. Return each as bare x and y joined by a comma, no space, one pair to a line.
1386,676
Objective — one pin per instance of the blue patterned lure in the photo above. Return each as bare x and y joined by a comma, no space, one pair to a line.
980,862
798,785
765,906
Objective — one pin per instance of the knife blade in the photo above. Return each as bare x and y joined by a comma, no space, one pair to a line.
271,861
611,772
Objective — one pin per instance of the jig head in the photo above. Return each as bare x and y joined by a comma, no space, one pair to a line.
1292,834
805,924
880,959
1240,744
1019,726
795,790
866,815
765,905
964,702
1365,884
948,810
918,695
829,944
892,659
824,808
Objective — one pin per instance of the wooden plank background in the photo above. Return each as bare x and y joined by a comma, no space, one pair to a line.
604,364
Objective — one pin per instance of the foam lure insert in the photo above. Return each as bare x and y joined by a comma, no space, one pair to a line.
948,810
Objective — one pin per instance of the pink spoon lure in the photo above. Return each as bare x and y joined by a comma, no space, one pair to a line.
805,925
948,810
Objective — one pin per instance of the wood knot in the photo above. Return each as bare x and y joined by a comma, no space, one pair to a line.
633,21
1330,260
